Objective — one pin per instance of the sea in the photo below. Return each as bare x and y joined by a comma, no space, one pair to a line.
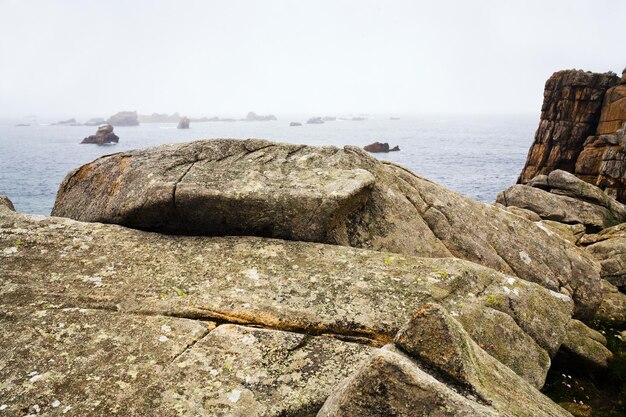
477,156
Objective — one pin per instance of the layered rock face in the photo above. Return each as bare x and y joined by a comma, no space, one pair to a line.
581,130
328,195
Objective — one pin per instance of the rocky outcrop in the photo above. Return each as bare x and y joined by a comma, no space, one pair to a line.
6,203
394,379
569,114
378,147
315,121
581,130
562,197
124,118
103,136
183,123
329,195
253,117
295,124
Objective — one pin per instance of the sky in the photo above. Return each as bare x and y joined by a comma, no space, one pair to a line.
93,58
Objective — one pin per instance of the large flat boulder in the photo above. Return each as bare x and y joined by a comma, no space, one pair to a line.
309,288
329,195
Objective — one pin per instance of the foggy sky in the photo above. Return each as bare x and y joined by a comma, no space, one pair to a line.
84,58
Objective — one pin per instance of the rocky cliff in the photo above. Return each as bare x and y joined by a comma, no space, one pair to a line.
579,131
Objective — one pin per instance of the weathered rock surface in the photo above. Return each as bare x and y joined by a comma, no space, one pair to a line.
437,340
570,232
243,371
392,383
79,362
613,114
183,123
603,162
609,248
585,347
378,147
103,135
294,286
570,113
330,195
613,306
562,197
124,118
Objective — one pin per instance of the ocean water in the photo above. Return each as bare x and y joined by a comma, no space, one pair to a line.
477,156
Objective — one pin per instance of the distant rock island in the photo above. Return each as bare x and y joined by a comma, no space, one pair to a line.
159,118
378,147
96,121
124,118
295,124
315,121
69,122
103,136
183,123
253,117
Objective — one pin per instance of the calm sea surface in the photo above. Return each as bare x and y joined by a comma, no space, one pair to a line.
475,156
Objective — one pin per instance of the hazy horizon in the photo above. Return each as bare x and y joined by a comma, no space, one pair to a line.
68,59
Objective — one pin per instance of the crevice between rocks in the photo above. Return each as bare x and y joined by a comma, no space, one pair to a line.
368,338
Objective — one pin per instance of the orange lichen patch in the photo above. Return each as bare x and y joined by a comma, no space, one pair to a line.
117,182
83,172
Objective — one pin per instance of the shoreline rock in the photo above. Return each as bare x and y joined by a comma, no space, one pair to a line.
183,123
104,135
378,147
